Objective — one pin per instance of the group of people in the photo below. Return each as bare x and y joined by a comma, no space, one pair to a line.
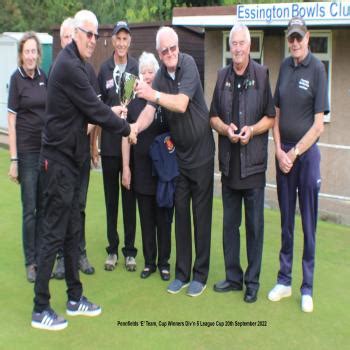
50,121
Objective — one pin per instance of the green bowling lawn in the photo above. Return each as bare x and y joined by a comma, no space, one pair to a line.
140,314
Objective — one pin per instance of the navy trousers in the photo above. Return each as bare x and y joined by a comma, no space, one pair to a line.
304,179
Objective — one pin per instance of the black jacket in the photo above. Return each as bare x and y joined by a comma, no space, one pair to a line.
111,143
252,108
71,104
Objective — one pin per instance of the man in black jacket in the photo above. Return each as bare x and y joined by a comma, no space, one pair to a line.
109,78
242,111
66,35
71,104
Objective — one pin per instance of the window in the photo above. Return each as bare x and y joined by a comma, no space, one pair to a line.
321,46
256,47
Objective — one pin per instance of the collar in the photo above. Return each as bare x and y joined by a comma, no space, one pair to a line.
305,62
73,46
25,75
111,63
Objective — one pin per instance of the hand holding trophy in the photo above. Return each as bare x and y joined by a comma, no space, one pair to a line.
126,90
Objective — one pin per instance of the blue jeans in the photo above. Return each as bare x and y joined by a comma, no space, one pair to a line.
28,171
254,227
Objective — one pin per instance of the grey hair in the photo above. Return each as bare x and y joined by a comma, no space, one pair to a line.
83,16
237,28
165,30
148,59
68,22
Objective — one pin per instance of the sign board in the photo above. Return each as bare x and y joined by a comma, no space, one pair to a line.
314,13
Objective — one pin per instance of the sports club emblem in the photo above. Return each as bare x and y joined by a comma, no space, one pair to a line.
169,144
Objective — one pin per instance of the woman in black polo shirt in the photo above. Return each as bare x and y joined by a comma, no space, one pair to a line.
26,107
155,221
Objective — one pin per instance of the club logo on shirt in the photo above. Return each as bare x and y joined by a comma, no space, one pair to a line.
304,84
109,84
41,83
169,144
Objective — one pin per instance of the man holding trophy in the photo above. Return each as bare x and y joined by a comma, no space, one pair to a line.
113,73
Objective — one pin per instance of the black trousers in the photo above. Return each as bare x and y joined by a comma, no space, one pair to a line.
60,225
84,179
111,170
156,232
196,186
254,228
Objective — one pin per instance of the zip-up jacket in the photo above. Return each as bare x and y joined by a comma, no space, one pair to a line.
72,103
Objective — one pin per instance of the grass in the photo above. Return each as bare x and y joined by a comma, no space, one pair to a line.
125,297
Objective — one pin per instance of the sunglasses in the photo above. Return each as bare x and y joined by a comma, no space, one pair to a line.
296,37
89,34
170,49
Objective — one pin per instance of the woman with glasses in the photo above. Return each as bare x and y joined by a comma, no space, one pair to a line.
26,107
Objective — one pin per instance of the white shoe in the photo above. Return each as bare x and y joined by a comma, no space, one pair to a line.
279,291
130,263
111,262
307,304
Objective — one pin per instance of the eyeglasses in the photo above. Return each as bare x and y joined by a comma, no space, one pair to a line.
296,37
89,34
170,49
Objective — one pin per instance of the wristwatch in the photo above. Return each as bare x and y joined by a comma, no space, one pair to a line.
296,151
157,97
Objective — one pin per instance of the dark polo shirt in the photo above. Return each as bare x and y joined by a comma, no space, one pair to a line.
191,130
111,142
27,99
301,92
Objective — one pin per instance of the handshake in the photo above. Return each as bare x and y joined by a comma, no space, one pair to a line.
120,111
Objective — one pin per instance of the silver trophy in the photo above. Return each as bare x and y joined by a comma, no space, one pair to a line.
126,89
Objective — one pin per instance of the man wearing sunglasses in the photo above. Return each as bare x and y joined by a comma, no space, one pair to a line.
109,79
71,103
66,35
177,89
301,100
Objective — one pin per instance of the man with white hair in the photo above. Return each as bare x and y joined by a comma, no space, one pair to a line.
178,90
66,35
71,103
242,112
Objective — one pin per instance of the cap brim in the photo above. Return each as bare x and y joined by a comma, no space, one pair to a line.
116,31
297,31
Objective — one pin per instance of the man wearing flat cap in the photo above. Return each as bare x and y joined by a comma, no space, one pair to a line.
109,82
301,100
